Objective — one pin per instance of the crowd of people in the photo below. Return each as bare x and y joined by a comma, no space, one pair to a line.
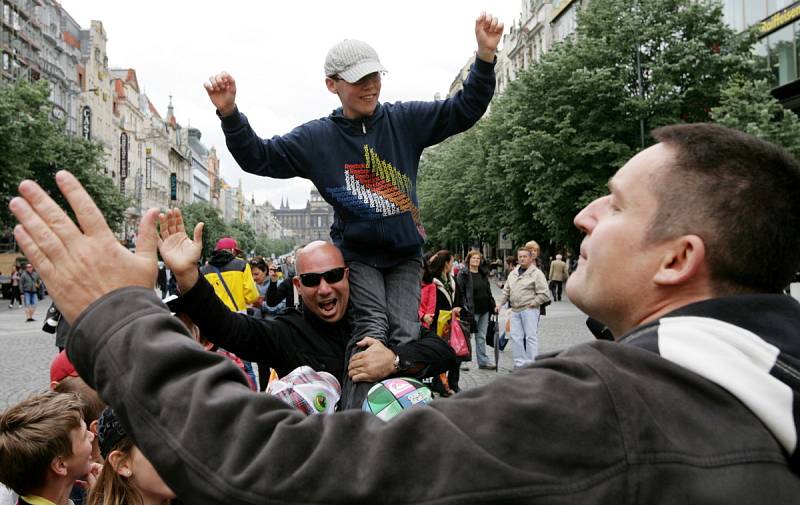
689,396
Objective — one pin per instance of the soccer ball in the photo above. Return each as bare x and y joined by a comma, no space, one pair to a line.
389,397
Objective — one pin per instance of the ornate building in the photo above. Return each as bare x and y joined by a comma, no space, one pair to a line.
312,222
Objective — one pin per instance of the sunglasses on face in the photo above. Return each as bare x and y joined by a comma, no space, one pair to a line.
332,276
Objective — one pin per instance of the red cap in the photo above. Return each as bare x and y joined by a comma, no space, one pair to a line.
227,243
61,368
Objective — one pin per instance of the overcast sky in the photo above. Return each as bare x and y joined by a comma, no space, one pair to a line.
276,51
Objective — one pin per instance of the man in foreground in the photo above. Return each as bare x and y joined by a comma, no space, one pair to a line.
692,404
315,335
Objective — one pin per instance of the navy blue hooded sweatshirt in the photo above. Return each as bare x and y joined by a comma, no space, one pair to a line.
366,168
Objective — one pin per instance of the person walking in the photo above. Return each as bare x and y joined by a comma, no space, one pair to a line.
29,284
16,292
524,291
558,275
478,302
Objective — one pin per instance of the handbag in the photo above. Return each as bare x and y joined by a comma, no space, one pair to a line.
492,332
443,323
457,339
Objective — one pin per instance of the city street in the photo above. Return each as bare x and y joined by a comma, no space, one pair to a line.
27,350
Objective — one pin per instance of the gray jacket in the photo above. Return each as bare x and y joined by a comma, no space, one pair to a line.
28,281
525,291
641,421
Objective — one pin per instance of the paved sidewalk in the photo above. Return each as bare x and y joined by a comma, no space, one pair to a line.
26,351
562,327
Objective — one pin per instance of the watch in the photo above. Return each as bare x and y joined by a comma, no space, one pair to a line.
396,362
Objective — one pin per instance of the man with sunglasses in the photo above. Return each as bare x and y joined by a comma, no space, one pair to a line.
363,159
315,335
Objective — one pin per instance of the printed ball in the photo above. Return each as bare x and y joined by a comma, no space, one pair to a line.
389,397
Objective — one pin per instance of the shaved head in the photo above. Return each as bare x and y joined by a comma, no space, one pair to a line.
317,253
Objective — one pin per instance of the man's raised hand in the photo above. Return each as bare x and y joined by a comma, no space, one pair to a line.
80,265
488,32
221,89
179,252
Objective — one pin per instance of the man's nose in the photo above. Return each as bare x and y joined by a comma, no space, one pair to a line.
324,288
586,219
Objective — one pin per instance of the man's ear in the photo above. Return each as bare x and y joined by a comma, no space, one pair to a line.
331,85
682,261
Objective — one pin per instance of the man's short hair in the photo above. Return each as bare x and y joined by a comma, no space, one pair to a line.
741,195
32,433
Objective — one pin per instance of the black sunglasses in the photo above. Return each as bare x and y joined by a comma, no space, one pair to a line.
332,276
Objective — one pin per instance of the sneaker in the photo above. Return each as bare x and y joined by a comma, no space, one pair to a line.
30,319
487,367
10,305
465,368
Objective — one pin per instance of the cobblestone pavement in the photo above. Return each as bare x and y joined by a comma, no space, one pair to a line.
26,351
562,327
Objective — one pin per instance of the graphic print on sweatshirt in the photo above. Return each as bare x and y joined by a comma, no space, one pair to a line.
375,190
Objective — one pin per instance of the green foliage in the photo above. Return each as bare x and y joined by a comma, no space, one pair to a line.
33,146
563,127
267,247
244,234
749,107
214,228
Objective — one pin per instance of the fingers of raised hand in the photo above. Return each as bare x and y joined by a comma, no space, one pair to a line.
147,241
32,251
198,234
38,235
89,216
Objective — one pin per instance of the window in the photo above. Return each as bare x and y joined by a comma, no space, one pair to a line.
6,63
783,55
754,11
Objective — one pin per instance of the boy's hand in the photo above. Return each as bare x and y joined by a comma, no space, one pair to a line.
488,32
221,89
180,253
80,265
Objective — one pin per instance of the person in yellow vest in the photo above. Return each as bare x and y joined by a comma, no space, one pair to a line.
233,282
230,275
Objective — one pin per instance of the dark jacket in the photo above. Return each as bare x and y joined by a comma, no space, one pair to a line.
601,423
294,338
467,295
278,292
366,168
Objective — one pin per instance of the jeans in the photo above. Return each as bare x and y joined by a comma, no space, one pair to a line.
384,305
481,325
30,298
524,340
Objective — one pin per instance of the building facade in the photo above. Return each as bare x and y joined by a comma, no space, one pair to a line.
201,183
778,47
20,39
312,222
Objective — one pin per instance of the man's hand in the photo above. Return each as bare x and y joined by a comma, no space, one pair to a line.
180,253
91,477
221,89
488,32
427,318
374,363
80,265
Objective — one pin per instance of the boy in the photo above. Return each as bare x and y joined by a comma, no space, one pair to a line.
363,159
44,448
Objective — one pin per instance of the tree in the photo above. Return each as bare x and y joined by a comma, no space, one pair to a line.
214,228
267,247
36,147
748,106
244,234
563,127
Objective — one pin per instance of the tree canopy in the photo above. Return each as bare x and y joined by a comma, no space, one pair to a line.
564,126
33,146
